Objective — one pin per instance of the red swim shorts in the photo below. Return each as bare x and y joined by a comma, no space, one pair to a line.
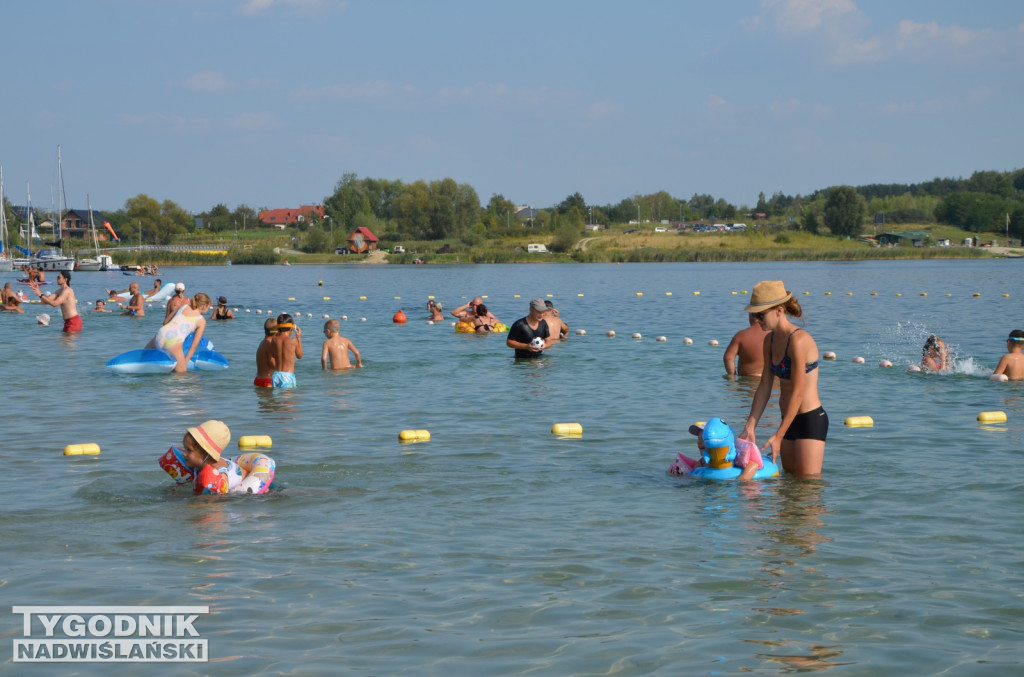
73,324
263,382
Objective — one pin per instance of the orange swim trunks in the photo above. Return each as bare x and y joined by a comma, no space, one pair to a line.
263,382
73,324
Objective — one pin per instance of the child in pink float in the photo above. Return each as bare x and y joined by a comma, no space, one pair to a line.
748,456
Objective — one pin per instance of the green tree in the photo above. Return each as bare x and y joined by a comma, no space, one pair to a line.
844,211
160,222
573,201
349,198
217,219
412,210
244,217
315,241
762,204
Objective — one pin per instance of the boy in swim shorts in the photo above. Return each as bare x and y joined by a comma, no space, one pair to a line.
336,349
286,349
265,356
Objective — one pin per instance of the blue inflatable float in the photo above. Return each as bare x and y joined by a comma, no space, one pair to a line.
722,460
156,361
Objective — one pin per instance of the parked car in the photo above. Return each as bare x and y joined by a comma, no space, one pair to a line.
631,230
660,229
399,249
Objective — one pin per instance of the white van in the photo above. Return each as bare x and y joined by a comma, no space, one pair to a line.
398,249
537,249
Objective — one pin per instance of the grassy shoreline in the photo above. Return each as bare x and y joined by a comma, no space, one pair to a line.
610,246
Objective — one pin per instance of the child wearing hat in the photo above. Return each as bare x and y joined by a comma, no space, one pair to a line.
200,460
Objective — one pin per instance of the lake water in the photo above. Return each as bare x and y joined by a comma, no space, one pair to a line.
498,548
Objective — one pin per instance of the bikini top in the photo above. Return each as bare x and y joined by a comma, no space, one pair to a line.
785,366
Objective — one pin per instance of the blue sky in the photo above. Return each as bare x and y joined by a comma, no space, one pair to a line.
269,102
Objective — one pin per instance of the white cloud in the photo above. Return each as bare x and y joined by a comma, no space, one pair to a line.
362,91
715,102
207,81
807,16
602,110
930,36
249,122
306,7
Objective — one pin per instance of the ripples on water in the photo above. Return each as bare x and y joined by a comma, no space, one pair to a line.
498,548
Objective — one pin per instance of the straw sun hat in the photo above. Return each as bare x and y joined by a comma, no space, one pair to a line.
767,294
212,436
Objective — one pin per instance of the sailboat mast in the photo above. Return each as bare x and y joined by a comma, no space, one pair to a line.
59,226
3,216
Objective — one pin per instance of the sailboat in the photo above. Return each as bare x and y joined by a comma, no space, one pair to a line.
54,259
101,261
6,262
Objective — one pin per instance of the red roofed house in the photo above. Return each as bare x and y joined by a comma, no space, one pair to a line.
282,218
362,240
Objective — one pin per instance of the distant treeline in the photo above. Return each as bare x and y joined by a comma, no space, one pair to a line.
447,210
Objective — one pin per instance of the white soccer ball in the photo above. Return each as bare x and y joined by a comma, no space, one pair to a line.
537,342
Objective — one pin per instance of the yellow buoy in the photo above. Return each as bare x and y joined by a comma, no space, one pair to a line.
580,295
924,293
859,421
90,449
362,298
639,293
668,293
976,294
828,293
874,293
431,297
253,441
1006,296
849,293
567,429
291,298
734,292
327,298
515,296
414,436
807,293
898,294
696,293
743,291
547,295
992,417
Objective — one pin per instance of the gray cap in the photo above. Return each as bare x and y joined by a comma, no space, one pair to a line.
538,305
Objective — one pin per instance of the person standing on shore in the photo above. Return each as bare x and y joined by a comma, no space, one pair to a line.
792,355
65,299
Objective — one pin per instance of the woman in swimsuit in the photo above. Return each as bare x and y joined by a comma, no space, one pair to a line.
171,337
222,311
792,355
484,321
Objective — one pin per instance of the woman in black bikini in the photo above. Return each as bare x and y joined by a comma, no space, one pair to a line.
483,322
223,312
792,355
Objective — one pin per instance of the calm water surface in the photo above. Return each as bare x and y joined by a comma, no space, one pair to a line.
498,548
